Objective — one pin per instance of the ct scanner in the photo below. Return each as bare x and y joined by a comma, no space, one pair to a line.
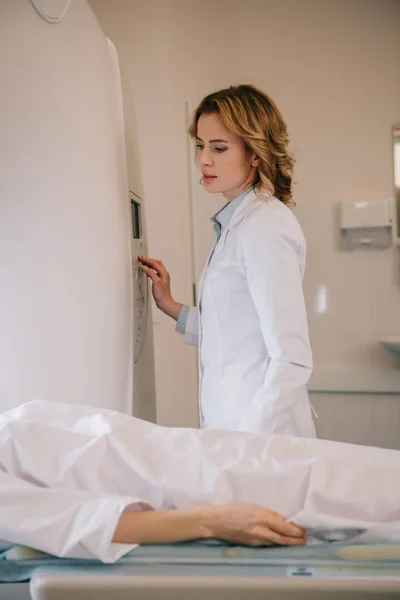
75,320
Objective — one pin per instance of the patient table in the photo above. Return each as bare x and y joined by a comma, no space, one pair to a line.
208,571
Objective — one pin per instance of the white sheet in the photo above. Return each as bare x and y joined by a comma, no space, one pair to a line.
67,472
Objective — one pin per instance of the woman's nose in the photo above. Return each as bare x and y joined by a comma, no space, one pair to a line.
205,158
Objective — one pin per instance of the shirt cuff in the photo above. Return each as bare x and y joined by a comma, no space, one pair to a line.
181,322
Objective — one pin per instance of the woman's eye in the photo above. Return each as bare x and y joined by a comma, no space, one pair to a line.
219,150
198,147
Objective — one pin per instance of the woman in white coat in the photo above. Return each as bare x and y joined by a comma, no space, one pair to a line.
251,325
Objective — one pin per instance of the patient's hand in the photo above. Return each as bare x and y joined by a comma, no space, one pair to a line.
244,524
251,525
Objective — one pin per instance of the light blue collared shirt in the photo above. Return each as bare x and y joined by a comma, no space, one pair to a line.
220,222
223,217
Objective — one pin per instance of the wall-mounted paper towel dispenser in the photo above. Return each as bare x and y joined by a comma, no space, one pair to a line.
366,223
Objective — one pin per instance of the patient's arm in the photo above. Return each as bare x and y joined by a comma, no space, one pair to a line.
236,523
63,522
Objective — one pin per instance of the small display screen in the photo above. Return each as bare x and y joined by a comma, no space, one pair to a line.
136,220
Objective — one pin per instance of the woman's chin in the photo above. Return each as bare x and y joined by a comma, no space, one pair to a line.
213,188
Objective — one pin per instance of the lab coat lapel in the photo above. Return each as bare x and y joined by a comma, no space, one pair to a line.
201,280
216,249
242,210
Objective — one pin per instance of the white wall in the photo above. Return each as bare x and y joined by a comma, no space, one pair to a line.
332,66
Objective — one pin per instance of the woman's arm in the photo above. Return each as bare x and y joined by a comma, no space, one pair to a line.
274,250
161,289
236,523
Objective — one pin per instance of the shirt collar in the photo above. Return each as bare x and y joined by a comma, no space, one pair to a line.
222,218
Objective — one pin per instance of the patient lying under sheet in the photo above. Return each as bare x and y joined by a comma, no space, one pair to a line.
67,473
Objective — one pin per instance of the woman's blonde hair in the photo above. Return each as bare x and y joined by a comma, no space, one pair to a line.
251,114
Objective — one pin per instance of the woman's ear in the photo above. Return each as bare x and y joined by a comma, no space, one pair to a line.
255,161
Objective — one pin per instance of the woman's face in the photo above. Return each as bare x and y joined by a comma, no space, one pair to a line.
226,166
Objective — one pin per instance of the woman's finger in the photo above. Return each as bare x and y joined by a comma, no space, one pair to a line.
151,273
151,265
150,261
156,265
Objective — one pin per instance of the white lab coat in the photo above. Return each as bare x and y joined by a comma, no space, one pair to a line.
254,350
67,473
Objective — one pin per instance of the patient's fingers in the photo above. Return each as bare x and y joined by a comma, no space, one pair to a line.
264,536
253,525
278,515
283,527
275,539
